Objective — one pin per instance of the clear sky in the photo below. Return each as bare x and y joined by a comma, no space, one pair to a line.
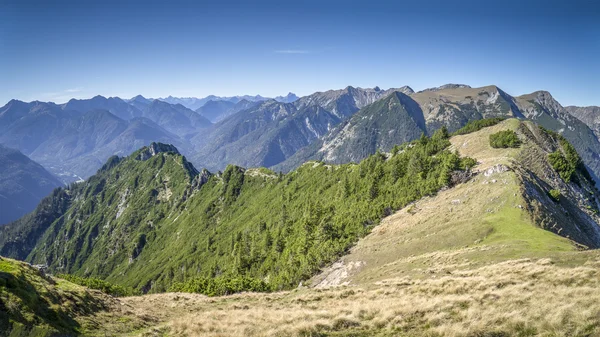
54,50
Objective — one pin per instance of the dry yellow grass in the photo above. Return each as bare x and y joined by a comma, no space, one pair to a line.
518,297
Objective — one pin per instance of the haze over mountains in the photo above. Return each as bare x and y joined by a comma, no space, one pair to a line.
196,103
23,183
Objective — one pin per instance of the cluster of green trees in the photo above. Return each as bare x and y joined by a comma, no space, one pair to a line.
285,228
566,161
98,284
504,139
219,286
476,125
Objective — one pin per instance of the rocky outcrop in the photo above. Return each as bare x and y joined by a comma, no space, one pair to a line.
153,149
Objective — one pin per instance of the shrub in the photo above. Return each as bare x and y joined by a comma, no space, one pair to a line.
467,163
561,165
220,286
477,125
567,161
554,195
504,139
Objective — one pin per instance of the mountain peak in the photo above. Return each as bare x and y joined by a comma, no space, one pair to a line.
447,86
289,98
153,149
14,102
406,90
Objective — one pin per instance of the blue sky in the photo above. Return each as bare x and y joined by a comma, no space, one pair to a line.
54,50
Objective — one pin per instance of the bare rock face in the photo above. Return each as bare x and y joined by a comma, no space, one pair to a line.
154,149
590,115
338,274
498,168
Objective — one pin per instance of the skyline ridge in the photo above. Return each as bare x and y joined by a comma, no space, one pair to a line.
259,97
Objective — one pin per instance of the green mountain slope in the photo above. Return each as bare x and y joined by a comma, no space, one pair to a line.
150,219
23,183
508,236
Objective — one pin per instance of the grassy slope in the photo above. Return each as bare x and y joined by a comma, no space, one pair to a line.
513,298
35,304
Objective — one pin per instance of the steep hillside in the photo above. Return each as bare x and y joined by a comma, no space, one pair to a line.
150,219
23,183
265,136
345,102
455,105
35,304
590,115
393,120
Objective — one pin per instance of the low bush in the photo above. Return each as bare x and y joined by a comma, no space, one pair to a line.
504,139
220,286
467,163
477,125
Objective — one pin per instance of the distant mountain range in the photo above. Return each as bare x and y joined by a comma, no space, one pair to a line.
73,140
270,132
196,103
